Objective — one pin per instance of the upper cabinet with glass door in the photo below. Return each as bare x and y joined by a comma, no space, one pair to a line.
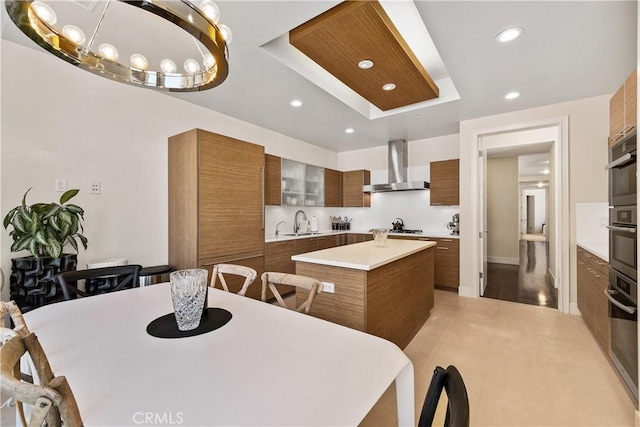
314,186
293,183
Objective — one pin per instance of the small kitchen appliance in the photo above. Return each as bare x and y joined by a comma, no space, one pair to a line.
454,225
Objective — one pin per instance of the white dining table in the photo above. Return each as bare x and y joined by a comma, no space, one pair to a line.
267,366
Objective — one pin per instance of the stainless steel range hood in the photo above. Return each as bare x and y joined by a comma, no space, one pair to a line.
398,164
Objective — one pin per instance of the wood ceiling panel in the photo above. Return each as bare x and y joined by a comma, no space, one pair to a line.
355,30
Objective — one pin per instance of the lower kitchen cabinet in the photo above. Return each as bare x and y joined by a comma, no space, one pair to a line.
358,238
447,259
593,280
277,257
447,263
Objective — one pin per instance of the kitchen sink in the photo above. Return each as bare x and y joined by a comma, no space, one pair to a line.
306,233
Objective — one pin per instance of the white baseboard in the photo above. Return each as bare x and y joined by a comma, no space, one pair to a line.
465,291
573,309
503,260
552,278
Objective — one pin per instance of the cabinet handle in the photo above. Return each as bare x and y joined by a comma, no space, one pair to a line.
623,229
436,203
262,192
616,136
628,129
621,161
581,262
446,240
440,248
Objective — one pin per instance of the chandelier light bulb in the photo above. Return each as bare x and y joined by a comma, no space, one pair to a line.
139,62
210,10
209,61
191,66
45,12
74,34
108,51
226,33
168,66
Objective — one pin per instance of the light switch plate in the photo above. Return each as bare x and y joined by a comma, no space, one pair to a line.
61,185
328,287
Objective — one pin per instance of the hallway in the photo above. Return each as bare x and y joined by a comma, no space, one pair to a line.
526,283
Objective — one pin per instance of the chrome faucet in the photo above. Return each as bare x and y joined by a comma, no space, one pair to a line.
277,225
296,226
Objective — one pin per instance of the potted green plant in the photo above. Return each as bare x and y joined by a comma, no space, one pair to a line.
43,229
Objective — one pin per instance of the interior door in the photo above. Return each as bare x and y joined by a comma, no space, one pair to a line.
531,209
482,224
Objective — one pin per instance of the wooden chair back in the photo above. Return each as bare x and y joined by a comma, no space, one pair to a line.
98,280
270,279
52,400
219,270
10,309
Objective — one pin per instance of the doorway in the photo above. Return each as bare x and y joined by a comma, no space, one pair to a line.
521,136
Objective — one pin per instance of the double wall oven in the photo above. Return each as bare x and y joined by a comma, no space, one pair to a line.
623,264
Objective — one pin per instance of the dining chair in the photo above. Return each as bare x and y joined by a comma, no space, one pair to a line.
98,280
219,270
270,279
52,400
9,310
458,401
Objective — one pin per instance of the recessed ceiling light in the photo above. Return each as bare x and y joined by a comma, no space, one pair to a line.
509,34
512,95
365,64
389,86
349,130
296,103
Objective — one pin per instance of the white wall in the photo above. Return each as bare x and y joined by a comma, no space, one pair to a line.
540,209
412,206
502,203
62,122
588,131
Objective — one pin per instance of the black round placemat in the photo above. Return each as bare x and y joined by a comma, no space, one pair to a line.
166,326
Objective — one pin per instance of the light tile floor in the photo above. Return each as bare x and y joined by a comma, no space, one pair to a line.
523,366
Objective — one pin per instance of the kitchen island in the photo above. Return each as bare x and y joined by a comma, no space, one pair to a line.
385,291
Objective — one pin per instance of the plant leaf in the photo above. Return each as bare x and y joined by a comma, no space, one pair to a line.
21,244
19,225
73,242
54,249
33,248
54,223
74,208
83,240
65,216
24,213
52,210
24,198
9,216
68,195
40,237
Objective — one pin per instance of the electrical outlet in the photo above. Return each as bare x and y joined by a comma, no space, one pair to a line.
95,187
328,287
61,185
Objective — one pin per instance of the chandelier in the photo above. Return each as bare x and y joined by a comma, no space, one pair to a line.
196,39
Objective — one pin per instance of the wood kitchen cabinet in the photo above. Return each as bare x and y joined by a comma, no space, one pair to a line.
593,280
358,238
445,182
332,188
352,194
215,193
622,110
447,274
447,263
273,180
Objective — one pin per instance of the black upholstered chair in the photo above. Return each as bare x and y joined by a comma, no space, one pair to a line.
98,280
458,401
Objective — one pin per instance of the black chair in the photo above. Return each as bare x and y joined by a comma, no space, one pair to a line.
458,406
98,280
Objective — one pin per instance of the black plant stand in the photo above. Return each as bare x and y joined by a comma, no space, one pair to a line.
31,284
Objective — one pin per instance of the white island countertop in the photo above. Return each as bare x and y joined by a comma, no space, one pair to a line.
364,256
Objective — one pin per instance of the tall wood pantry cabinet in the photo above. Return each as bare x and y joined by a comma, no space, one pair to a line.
216,190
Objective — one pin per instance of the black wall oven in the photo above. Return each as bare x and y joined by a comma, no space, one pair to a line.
622,172
623,311
623,256
622,240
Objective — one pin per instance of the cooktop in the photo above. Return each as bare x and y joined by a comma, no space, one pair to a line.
405,231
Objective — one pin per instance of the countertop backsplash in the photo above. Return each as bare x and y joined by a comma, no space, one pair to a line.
591,227
412,206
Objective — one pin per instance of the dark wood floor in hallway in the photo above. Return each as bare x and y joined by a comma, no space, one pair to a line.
526,283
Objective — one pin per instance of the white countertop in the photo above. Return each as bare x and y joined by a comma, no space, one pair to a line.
435,234
364,256
599,249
